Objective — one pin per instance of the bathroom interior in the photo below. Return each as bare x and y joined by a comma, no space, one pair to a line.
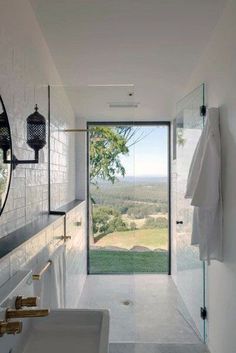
117,173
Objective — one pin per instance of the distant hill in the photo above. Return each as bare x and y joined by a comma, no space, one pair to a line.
130,193
144,179
147,180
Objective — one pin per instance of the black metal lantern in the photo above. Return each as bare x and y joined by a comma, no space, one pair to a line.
5,139
36,137
36,131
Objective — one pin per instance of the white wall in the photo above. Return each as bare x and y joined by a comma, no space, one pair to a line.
26,68
218,69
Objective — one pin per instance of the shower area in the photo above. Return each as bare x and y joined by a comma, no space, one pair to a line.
153,308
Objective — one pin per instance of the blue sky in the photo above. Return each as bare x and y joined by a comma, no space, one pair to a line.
148,157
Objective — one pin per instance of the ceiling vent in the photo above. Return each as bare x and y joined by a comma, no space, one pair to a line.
123,105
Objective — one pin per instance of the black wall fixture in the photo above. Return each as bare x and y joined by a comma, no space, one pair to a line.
6,147
36,138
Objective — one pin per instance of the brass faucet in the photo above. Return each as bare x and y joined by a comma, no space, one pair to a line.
10,327
28,302
22,313
13,327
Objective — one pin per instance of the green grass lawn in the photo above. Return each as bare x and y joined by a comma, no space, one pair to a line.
128,262
150,238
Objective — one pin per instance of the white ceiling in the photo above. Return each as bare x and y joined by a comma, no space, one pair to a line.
153,44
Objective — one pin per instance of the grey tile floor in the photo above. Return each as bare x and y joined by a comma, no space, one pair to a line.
145,313
156,348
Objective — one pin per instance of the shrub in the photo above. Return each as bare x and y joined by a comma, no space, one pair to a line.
107,220
160,222
123,209
133,226
139,211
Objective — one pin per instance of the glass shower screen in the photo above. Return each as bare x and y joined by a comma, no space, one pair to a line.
189,271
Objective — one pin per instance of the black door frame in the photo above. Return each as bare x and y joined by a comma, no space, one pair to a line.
132,123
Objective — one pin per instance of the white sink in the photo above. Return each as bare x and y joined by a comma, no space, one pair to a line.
65,331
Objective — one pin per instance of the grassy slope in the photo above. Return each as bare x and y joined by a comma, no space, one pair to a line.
128,262
131,262
151,238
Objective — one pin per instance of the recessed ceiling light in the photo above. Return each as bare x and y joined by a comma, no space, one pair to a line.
111,85
123,104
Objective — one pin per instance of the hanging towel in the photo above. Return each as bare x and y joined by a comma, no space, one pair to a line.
204,190
51,287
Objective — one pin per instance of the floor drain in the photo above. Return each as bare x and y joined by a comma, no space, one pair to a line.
127,302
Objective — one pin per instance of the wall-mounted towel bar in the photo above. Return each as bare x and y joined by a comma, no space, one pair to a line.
37,277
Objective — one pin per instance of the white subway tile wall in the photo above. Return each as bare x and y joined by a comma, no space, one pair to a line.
26,68
34,253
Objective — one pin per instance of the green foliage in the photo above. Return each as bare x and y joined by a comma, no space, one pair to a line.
106,146
124,209
107,220
137,212
133,226
117,224
151,222
142,210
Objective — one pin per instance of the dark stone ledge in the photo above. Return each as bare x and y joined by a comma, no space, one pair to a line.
69,206
13,240
19,236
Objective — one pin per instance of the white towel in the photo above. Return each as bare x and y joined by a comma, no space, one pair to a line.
51,287
204,188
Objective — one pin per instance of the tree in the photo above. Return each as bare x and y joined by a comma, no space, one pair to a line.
107,144
106,147
107,220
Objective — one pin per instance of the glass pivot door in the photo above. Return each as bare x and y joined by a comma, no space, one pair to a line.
190,271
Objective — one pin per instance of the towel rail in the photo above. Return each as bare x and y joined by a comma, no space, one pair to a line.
37,277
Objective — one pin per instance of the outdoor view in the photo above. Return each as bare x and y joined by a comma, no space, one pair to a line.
128,199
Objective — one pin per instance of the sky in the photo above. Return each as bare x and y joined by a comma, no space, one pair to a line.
148,157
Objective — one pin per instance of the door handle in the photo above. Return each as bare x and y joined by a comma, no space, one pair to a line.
179,222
